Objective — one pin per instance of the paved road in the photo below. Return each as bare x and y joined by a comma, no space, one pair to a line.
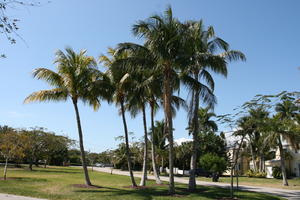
289,194
14,197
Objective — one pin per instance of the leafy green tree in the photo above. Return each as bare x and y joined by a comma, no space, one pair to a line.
213,163
11,147
76,78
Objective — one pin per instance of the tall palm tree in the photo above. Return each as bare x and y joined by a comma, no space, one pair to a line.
137,101
122,83
163,37
202,48
76,78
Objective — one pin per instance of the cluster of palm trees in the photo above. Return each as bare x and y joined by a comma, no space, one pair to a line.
270,120
139,76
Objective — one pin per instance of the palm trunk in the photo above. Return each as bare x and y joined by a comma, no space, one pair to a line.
253,157
83,159
168,117
282,163
195,132
234,164
144,173
5,168
153,154
127,146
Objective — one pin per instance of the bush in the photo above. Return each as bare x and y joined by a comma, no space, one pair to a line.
214,164
276,172
251,173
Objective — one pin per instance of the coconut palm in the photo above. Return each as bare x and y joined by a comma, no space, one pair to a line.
283,126
122,83
137,102
76,79
203,48
163,37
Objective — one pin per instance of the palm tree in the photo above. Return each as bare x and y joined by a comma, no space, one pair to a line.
122,83
162,36
76,78
202,46
137,102
159,137
283,126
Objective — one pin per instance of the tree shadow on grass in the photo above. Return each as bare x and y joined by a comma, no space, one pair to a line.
25,179
56,170
152,192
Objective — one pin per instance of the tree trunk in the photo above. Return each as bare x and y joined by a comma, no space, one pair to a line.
282,163
235,159
252,156
127,146
169,122
153,153
5,168
195,132
30,164
231,181
83,159
144,172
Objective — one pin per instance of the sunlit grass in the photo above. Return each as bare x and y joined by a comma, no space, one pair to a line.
58,183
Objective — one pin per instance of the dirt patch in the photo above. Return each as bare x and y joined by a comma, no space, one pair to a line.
86,186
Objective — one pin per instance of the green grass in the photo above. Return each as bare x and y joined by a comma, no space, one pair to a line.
294,184
57,183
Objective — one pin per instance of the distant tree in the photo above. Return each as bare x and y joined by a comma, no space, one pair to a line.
35,145
213,163
11,147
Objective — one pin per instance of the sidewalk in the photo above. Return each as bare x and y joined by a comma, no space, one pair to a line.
14,197
289,194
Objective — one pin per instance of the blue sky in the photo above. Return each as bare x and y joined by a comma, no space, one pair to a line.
267,32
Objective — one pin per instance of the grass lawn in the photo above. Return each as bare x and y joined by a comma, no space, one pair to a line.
58,183
294,184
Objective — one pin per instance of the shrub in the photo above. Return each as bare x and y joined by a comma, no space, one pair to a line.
214,164
251,173
276,172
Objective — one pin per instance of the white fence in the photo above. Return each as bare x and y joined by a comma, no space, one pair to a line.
178,171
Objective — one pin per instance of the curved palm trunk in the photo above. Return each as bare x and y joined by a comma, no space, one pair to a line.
83,159
282,163
193,166
144,173
127,146
157,179
5,169
169,122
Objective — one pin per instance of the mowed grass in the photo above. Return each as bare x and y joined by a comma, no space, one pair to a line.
294,184
58,183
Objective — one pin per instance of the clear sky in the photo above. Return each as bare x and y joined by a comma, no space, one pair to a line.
267,32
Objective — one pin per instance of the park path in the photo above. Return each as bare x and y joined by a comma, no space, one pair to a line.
288,194
15,197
